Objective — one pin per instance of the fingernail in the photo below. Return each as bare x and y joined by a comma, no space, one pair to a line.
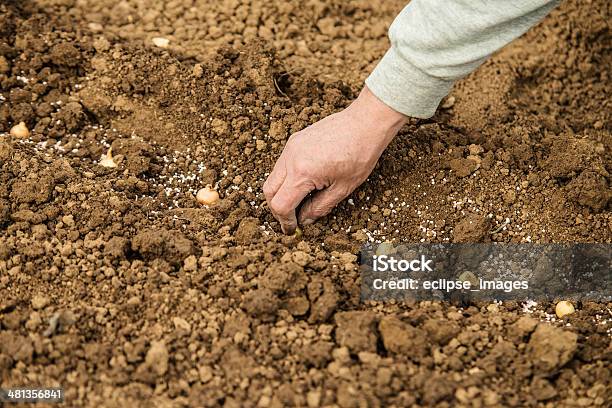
308,221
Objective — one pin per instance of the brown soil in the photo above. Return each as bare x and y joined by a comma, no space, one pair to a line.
116,285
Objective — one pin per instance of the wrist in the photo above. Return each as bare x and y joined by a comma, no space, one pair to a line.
379,113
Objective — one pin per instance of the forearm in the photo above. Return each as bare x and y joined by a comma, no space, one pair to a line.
436,42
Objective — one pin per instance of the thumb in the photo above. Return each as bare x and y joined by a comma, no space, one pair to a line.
321,203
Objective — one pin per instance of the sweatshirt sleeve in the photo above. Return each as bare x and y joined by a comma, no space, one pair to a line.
436,42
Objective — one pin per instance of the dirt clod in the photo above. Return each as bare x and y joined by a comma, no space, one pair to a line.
39,302
154,243
474,228
400,337
156,359
356,331
551,348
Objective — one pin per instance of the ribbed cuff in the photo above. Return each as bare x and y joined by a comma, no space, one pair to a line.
406,88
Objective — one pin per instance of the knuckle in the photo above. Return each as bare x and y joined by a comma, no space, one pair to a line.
302,168
280,208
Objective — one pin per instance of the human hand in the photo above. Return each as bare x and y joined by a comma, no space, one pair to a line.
330,158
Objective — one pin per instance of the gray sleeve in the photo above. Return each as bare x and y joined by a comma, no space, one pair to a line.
436,42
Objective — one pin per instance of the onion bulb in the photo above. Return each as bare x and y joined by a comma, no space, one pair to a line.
20,131
107,159
207,196
564,308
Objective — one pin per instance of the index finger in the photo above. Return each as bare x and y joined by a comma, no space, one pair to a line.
286,200
275,180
